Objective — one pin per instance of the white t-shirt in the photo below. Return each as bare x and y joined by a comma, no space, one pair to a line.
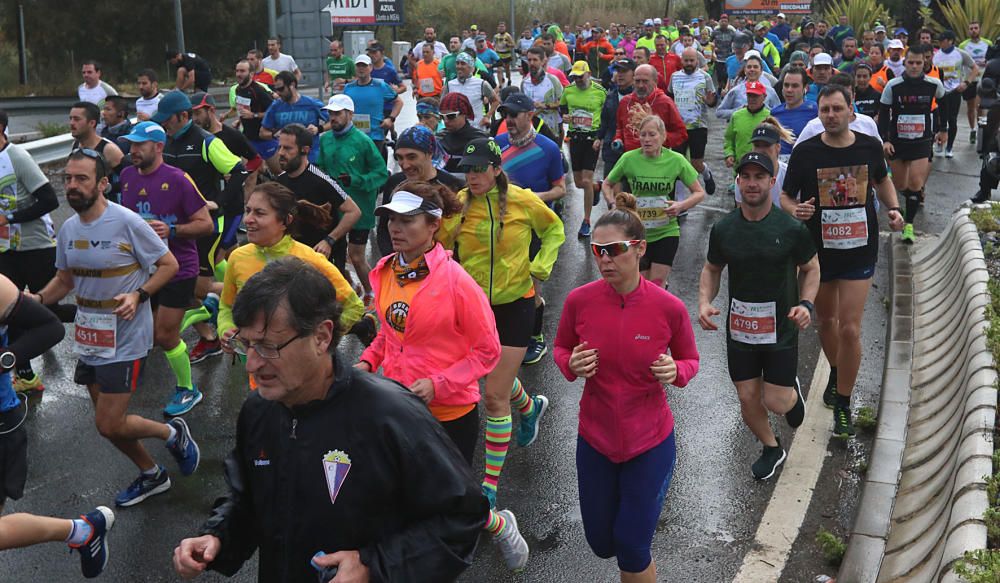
148,106
440,50
861,124
282,63
96,94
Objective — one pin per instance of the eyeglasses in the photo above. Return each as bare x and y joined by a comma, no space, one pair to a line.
613,249
279,89
266,351
451,115
96,157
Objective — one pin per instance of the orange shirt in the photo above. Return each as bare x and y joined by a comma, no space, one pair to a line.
428,82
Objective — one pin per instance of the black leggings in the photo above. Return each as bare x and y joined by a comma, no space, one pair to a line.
464,432
950,105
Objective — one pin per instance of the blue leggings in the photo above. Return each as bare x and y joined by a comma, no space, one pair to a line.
621,503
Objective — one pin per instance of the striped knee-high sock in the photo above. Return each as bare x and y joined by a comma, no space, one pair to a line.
497,443
520,398
495,523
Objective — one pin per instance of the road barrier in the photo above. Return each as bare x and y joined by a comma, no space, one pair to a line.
924,493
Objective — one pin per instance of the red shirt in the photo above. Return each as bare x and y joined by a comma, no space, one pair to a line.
264,77
665,67
662,106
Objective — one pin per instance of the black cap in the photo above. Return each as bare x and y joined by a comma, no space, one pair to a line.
517,103
481,152
376,47
763,133
757,159
626,64
948,34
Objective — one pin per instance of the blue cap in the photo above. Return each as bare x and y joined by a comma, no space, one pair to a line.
146,131
172,103
900,31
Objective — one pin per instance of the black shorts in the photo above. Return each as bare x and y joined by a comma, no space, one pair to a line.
777,367
908,151
115,378
515,322
853,273
696,142
358,236
176,294
206,254
970,92
202,80
13,454
504,60
662,252
581,152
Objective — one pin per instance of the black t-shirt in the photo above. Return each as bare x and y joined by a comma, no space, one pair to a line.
867,101
318,188
236,142
257,98
382,232
845,224
193,62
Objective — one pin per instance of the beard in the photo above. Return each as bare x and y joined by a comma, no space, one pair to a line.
79,200
289,163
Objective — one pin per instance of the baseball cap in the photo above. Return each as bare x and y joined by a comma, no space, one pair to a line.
947,34
806,23
822,59
895,44
481,152
363,59
474,27
517,103
625,64
762,25
766,134
579,68
172,103
752,53
756,159
780,15
880,28
657,21
480,37
202,99
146,131
406,203
339,102
756,88
648,22
376,47
901,31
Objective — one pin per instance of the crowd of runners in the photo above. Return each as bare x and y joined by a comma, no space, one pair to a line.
271,224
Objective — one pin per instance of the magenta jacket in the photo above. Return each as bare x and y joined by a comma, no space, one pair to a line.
451,335
624,411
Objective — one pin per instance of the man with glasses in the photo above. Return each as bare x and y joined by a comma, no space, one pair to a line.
293,107
371,97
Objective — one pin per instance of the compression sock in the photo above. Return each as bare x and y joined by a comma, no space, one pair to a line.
79,533
220,270
497,443
180,363
832,381
494,524
25,372
520,398
539,316
912,205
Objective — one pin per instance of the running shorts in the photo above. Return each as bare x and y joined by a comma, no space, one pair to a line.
581,152
114,378
970,92
265,148
854,273
696,142
175,294
515,321
662,252
907,151
358,236
13,454
777,367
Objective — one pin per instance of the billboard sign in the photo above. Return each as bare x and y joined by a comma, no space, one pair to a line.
760,7
365,12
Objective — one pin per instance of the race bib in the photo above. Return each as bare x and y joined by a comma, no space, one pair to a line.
844,228
10,237
784,158
95,334
653,211
427,85
363,122
242,102
753,323
581,119
910,127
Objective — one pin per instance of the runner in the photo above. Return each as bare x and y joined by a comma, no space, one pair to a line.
838,173
114,118
252,99
743,123
93,89
203,113
339,69
772,287
581,104
629,339
622,86
503,42
459,131
84,118
293,107
768,139
652,172
371,97
113,281
736,98
907,124
508,215
958,72
261,75
645,99
795,112
694,92
544,90
427,81
193,72
149,90
977,47
866,97
278,62
424,298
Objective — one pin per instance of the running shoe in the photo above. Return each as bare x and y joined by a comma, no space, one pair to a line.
979,198
584,230
797,413
94,552
183,401
527,430
972,136
194,316
29,387
938,148
768,462
143,487
709,181
598,184
491,496
948,153
184,448
907,236
830,394
204,349
536,350
512,545
211,303
842,424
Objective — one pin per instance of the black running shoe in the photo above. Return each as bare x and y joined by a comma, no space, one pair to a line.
842,425
768,462
797,413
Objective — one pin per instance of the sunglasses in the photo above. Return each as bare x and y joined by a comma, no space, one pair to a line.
613,249
451,115
477,169
279,89
96,157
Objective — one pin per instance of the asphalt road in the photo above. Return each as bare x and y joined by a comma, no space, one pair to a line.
709,519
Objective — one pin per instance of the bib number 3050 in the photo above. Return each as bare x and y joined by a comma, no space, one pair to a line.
95,334
753,322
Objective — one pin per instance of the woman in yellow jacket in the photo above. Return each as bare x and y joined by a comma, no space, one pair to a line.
491,238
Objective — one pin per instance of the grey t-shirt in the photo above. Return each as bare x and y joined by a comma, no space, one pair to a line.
19,177
118,239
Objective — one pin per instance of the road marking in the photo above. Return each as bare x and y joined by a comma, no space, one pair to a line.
787,508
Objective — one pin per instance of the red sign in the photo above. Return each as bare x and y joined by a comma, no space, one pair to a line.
761,7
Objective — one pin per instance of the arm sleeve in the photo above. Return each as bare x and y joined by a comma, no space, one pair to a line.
228,298
566,338
479,331
45,202
46,329
550,230
269,121
682,346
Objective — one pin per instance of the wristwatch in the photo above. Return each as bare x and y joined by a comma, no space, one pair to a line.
173,231
7,360
809,306
143,295
330,241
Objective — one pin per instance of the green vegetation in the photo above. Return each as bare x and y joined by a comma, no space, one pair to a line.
833,546
979,566
958,14
986,220
49,130
866,419
861,14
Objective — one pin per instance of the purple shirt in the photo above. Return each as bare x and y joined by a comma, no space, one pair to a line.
168,195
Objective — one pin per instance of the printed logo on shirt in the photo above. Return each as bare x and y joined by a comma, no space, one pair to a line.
843,185
165,186
261,460
395,315
336,465
641,337
142,191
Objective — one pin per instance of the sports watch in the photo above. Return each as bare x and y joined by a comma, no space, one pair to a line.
7,360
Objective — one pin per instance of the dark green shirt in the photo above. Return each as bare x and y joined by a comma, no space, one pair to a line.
762,257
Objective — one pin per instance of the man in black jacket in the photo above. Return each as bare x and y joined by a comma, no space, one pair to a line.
332,466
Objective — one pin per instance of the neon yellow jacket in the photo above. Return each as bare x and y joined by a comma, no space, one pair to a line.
250,259
500,265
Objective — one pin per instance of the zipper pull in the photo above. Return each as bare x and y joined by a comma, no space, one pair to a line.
295,423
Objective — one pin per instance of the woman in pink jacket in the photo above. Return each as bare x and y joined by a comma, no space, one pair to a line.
630,339
437,336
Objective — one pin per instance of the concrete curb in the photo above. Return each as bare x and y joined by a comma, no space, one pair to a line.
924,495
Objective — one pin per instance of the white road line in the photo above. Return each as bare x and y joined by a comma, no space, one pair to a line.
787,508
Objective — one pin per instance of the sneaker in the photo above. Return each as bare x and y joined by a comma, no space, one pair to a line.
977,198
768,462
797,413
183,401
948,153
29,387
143,487
211,303
527,430
512,545
204,349
491,495
536,350
184,448
842,424
830,394
907,236
972,136
598,185
194,316
94,552
709,181
938,148
584,230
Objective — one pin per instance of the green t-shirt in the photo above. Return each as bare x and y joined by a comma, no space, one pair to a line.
652,182
584,107
763,284
342,68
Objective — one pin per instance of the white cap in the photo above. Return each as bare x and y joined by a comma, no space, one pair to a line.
340,102
657,21
363,59
822,59
752,53
781,15
648,22
895,44
880,28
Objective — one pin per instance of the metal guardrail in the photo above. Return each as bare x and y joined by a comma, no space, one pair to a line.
48,150
924,496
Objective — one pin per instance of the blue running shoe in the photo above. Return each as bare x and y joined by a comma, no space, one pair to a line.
527,430
536,350
143,487
94,552
184,448
183,401
211,303
491,495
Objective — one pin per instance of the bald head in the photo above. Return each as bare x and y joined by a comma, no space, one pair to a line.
689,60
644,80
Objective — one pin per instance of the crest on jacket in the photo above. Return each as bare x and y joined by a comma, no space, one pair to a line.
336,465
